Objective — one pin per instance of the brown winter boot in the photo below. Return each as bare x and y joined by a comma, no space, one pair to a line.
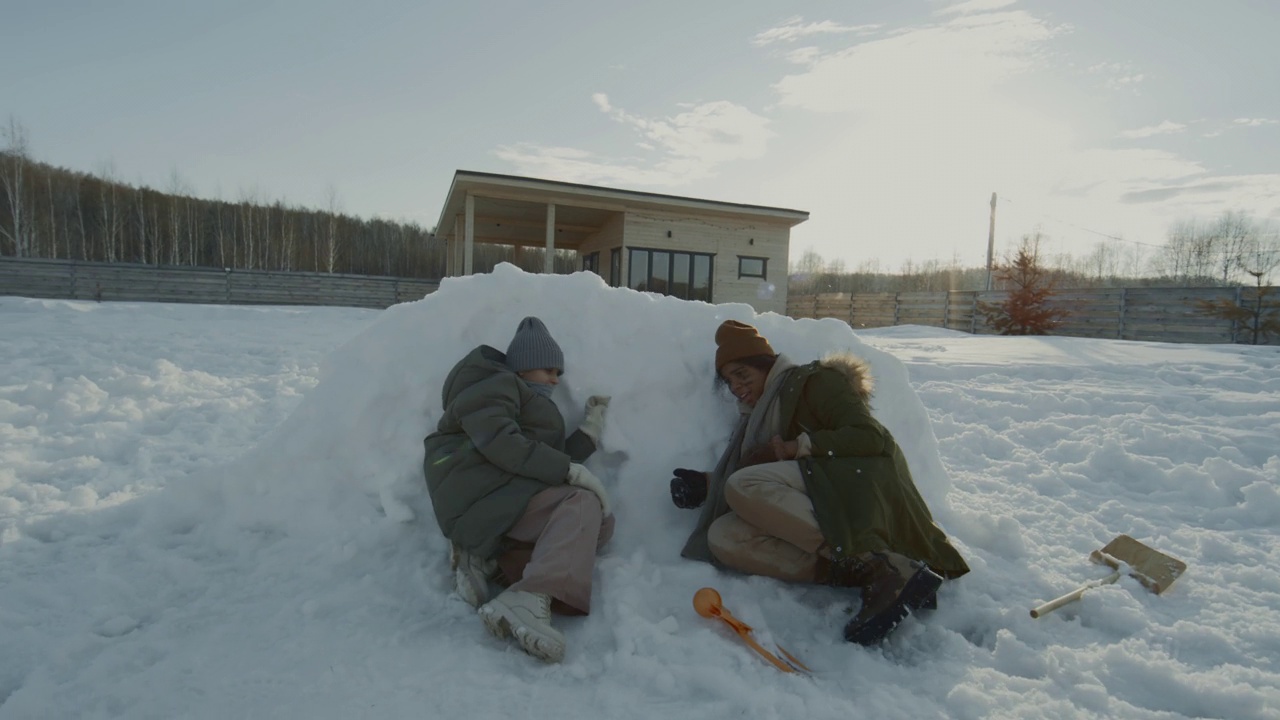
892,586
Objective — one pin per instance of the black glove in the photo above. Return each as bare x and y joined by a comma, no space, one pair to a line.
688,488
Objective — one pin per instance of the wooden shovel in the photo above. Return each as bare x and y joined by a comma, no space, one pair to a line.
1155,570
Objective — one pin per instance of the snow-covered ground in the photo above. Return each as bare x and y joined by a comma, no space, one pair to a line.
213,512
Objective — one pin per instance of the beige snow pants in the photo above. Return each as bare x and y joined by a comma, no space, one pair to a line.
772,529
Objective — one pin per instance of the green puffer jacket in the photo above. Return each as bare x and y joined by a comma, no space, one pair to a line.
857,477
498,444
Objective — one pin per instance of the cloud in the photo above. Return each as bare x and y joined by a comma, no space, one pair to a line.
1119,76
922,124
1256,122
1223,191
1239,123
679,149
1164,128
921,69
796,28
575,165
1161,194
1124,81
974,6
895,140
804,55
704,135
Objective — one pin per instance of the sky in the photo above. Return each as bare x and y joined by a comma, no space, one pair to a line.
218,511
891,122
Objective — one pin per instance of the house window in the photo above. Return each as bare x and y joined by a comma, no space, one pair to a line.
752,267
615,267
660,272
591,262
678,274
701,278
638,270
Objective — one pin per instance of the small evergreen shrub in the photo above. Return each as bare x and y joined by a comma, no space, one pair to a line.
1026,310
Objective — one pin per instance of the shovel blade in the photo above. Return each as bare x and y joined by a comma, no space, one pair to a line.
1155,570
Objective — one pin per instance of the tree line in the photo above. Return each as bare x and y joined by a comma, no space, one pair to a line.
51,212
1232,249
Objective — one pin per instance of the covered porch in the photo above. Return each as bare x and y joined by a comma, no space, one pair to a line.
484,209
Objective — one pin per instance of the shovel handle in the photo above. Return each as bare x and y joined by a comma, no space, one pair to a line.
1072,596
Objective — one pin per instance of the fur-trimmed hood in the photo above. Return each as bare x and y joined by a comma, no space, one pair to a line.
855,369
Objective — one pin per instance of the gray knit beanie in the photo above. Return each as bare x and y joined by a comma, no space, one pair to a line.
532,348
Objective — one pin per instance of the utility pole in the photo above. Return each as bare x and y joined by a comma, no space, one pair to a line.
991,239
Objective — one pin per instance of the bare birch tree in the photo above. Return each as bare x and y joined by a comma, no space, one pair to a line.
1233,234
109,207
53,218
14,159
244,214
144,230
331,236
1262,255
84,233
220,233
287,237
1187,254
178,191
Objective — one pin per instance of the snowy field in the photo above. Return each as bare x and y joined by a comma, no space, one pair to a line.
218,512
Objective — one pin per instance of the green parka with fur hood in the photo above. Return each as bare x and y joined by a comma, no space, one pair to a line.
498,444
863,495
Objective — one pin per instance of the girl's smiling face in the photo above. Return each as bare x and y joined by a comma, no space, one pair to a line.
745,382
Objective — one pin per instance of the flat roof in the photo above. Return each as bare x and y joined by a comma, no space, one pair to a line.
515,188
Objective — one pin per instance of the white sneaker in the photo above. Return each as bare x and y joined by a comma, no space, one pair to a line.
471,575
527,616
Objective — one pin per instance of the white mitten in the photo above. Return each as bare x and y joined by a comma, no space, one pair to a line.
582,477
593,424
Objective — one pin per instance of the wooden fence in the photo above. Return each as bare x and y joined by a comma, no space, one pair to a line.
66,279
1158,314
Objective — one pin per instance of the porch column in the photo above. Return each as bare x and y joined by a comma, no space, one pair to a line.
468,250
455,242
549,264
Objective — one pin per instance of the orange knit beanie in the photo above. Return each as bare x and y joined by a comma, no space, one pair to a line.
735,341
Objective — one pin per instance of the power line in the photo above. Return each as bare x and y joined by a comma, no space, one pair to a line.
1117,238
1139,242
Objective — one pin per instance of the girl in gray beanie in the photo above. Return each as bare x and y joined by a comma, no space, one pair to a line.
509,490
532,348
